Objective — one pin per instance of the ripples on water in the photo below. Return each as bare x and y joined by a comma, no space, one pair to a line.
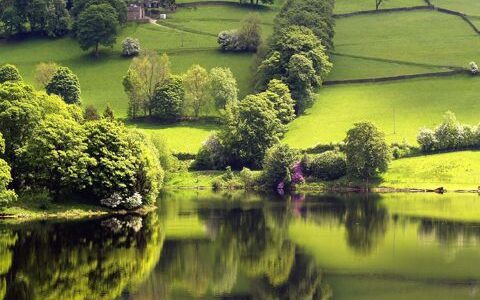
201,244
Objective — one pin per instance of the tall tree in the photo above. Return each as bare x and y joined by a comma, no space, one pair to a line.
367,151
97,25
145,74
168,100
196,82
223,87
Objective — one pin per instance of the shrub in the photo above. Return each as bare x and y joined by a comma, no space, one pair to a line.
211,155
130,47
229,40
112,201
449,134
277,163
474,68
65,84
329,165
133,201
9,73
248,178
249,34
426,139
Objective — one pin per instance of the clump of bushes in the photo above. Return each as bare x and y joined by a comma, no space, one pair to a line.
9,73
474,68
329,165
449,135
277,166
247,38
130,47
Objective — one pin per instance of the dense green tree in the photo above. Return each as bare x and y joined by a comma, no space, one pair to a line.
277,164
55,156
126,163
312,14
57,19
366,150
168,99
196,83
65,84
223,87
97,25
279,94
9,73
120,7
301,79
252,127
6,195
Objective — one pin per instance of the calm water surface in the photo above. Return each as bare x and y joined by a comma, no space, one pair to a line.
205,245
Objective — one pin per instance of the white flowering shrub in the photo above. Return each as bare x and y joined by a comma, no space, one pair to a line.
229,41
426,139
113,201
474,68
449,134
133,201
130,47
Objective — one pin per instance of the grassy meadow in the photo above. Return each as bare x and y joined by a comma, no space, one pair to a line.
348,6
411,103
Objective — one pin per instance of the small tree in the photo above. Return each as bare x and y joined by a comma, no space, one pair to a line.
130,47
9,73
196,82
279,94
378,3
145,74
366,150
91,113
108,113
474,68
250,33
223,87
44,73
97,25
277,164
426,139
449,134
168,99
65,84
301,79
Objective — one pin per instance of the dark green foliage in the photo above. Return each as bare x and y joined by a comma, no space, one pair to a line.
277,164
46,17
279,94
298,58
55,156
167,102
366,150
329,165
313,14
97,25
65,84
251,128
108,113
9,73
119,6
211,155
125,163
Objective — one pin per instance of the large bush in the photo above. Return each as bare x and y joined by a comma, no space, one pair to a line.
212,155
65,84
367,151
277,165
9,73
130,47
246,38
329,165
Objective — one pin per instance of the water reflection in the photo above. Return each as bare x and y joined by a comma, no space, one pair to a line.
250,246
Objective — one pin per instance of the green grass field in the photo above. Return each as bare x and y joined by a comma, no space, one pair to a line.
101,79
348,6
455,170
468,7
413,103
425,37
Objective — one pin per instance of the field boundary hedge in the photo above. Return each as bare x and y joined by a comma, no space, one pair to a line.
394,78
220,2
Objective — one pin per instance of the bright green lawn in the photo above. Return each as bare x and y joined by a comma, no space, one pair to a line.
348,6
216,18
457,170
468,7
185,137
417,103
345,67
426,37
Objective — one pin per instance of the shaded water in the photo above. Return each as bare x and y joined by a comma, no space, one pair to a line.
245,246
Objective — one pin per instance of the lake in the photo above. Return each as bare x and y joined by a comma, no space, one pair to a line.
206,245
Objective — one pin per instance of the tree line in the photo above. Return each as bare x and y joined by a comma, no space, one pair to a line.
49,145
